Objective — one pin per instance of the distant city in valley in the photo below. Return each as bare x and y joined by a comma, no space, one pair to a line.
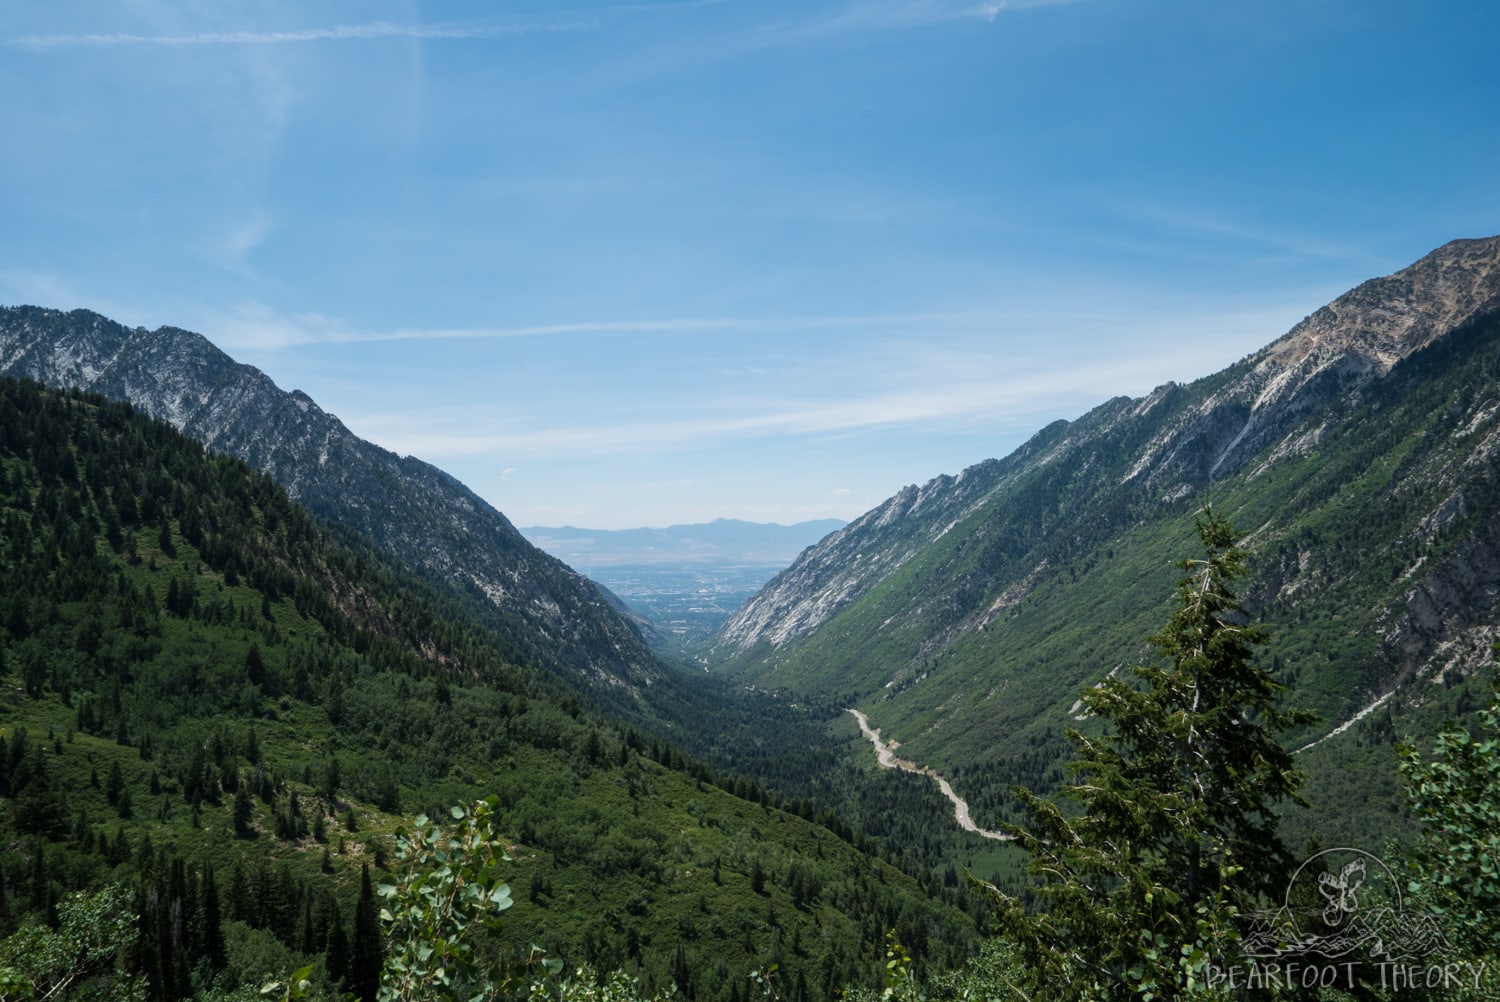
686,580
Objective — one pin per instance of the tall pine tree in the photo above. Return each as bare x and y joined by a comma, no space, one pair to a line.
211,932
368,954
336,954
1174,831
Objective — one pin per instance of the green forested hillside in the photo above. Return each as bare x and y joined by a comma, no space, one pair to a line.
408,509
212,700
1373,529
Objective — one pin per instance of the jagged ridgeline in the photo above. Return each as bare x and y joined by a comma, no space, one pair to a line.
1359,456
549,614
212,698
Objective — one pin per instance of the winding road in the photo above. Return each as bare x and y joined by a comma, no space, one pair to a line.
886,756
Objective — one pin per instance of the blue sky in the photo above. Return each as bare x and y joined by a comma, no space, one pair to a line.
634,264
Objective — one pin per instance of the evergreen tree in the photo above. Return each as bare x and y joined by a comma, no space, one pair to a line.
114,784
368,954
682,971
40,883
255,665
1175,831
37,809
305,938
332,779
337,951
211,932
387,793
284,905
124,804
241,904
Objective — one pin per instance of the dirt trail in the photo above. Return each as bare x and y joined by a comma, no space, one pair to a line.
886,756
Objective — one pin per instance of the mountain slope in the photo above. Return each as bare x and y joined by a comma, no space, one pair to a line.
202,686
1359,453
551,615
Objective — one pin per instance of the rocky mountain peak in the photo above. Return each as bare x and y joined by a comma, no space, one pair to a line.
554,616
1153,451
1385,319
1360,456
1358,337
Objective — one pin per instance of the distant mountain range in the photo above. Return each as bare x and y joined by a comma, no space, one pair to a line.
551,615
685,580
1359,455
722,541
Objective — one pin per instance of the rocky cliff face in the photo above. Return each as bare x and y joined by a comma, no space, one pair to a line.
1365,437
1355,339
553,616
852,560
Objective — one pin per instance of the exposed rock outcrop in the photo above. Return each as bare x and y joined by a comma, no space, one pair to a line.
553,616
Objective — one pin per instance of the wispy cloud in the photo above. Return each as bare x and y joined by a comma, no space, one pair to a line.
253,324
1184,222
336,33
580,20
994,403
913,386
990,11
899,14
233,248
